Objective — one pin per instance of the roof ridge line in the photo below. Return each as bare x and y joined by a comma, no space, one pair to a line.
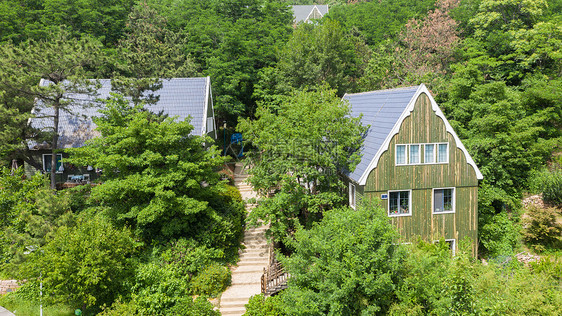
393,89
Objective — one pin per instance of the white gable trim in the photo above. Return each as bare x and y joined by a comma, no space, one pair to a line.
311,11
208,99
384,147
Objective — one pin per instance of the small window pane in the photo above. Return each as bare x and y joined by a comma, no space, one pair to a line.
401,154
393,202
352,195
399,203
448,200
429,153
443,200
414,154
442,155
47,163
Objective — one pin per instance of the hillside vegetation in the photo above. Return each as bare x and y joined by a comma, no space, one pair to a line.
157,235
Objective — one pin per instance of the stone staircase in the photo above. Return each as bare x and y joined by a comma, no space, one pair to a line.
246,276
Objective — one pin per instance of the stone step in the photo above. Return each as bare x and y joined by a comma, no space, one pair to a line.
231,299
246,283
233,311
253,256
253,263
239,303
245,270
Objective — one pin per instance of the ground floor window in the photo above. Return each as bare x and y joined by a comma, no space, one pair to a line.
47,163
352,196
399,203
451,243
444,200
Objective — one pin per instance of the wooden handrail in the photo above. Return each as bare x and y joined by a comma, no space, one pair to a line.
274,279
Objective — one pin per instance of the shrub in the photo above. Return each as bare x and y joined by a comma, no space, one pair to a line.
259,305
499,235
549,183
540,227
211,281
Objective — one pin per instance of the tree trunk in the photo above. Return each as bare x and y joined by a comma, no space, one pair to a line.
54,143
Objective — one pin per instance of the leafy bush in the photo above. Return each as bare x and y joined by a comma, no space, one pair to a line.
158,288
259,305
348,264
89,264
499,235
211,281
186,258
550,266
540,227
549,183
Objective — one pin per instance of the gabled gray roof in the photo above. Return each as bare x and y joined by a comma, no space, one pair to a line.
302,12
181,97
384,111
381,110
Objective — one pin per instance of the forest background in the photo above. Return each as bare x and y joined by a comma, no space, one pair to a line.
494,67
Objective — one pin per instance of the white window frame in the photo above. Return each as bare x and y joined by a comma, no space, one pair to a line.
433,200
409,203
422,147
406,154
419,154
453,244
434,154
437,153
352,196
45,165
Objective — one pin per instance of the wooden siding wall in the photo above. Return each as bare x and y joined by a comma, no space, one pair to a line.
424,126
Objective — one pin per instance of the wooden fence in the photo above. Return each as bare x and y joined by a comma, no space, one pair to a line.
274,277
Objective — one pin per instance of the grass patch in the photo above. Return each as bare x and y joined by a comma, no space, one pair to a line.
24,307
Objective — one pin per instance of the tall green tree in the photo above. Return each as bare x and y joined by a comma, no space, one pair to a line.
87,265
302,147
64,63
230,42
34,19
148,53
157,178
348,264
316,54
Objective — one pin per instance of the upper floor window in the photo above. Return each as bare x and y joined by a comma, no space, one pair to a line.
413,154
443,153
399,203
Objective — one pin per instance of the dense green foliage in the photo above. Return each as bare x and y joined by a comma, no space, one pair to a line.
87,264
549,184
348,264
159,229
313,55
303,144
166,223
153,174
427,279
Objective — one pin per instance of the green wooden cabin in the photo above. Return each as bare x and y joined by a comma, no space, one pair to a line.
415,165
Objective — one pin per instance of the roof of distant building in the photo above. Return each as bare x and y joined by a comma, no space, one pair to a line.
306,12
178,97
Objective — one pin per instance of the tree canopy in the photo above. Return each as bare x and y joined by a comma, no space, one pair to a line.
302,145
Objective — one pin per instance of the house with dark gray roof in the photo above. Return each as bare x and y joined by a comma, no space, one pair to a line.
414,164
306,13
181,98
